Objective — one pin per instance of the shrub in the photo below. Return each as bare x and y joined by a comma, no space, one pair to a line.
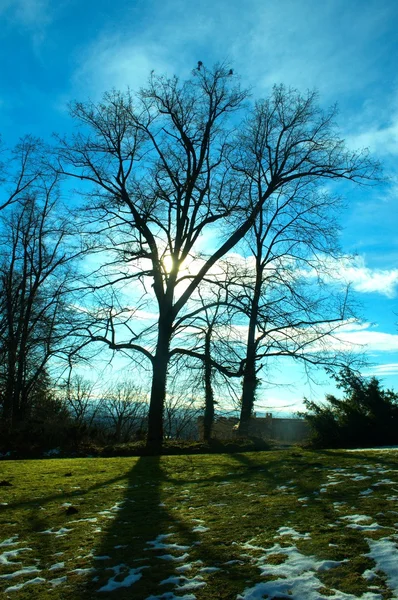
366,416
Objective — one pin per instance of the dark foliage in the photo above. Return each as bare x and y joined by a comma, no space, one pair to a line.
366,416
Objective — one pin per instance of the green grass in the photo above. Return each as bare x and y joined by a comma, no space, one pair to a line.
239,498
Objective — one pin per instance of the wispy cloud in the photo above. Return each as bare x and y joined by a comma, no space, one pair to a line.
108,64
363,279
383,370
370,340
381,139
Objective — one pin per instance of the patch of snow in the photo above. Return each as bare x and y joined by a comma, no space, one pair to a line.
132,576
58,581
297,578
184,568
184,584
366,492
19,586
60,533
200,529
10,541
158,544
371,527
174,558
171,596
84,571
356,518
369,575
385,554
173,579
293,533
22,571
57,566
7,557
384,482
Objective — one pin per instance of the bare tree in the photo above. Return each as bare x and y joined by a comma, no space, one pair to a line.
35,317
181,409
167,165
123,407
80,398
22,169
290,306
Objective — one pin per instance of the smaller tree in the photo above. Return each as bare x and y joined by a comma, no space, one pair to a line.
36,313
366,416
78,395
124,410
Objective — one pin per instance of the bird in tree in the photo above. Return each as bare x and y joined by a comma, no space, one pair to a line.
200,64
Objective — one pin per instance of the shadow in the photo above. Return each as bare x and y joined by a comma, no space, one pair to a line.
131,540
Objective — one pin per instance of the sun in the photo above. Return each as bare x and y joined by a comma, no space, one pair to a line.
168,263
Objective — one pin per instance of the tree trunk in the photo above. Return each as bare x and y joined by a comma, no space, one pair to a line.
248,392
208,418
250,380
158,389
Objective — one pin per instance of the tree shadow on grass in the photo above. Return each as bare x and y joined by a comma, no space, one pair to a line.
148,542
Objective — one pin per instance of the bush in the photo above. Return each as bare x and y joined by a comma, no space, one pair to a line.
366,416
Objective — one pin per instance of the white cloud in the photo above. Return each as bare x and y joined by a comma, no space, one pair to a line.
383,370
110,64
370,341
363,279
380,139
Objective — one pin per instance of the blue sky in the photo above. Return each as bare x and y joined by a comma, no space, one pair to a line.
54,52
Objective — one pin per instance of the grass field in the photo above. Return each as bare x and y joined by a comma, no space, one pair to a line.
283,524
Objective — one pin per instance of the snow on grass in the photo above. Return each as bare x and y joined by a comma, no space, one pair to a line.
158,544
200,529
19,586
23,571
10,541
356,520
184,584
385,554
184,568
131,577
7,558
57,566
371,527
295,535
58,581
174,558
296,577
171,596
85,571
60,533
